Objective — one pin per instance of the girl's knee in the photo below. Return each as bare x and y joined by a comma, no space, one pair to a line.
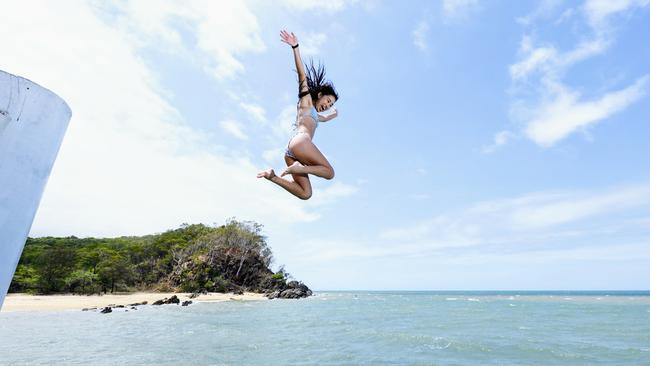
305,195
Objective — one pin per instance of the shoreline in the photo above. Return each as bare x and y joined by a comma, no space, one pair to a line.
19,302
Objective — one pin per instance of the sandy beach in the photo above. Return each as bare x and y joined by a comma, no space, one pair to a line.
24,302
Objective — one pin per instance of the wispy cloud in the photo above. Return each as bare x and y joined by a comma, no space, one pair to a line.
500,139
234,128
598,11
312,42
556,110
221,31
458,8
419,35
283,124
257,112
565,113
529,220
330,5
606,224
332,193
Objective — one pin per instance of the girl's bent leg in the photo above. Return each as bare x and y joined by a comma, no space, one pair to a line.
314,161
299,187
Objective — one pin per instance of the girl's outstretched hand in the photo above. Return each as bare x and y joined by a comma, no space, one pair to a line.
288,38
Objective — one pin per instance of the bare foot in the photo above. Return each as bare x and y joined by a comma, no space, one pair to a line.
291,169
268,174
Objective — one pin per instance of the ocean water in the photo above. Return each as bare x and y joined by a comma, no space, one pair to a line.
346,328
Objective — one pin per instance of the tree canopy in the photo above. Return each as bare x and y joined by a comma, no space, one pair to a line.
191,258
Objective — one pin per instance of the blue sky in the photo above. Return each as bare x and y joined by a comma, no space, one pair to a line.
480,145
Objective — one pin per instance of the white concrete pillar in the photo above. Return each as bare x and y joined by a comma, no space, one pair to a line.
33,121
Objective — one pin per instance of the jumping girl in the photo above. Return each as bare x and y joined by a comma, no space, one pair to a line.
302,156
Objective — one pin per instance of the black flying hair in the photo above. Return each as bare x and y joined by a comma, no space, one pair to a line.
316,81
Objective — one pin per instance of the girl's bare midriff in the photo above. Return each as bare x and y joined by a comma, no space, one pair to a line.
305,123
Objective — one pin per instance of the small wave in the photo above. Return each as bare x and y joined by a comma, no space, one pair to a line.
512,305
455,298
439,345
473,299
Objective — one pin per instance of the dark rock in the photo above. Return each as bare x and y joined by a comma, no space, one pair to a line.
134,308
293,290
86,309
138,303
118,306
172,300
107,310
185,303
194,295
273,295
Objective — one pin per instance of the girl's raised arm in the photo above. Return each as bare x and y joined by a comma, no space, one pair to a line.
303,89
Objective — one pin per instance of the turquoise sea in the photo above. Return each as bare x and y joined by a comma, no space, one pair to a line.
346,328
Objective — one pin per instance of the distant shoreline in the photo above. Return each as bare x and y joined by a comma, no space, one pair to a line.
20,302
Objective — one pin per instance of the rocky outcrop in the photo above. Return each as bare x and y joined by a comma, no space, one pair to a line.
293,290
185,303
172,300
107,310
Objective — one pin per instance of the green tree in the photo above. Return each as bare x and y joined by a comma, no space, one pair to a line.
53,266
82,281
114,270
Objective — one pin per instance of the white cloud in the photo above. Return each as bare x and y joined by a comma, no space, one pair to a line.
234,128
129,164
568,210
598,11
329,5
500,139
221,30
608,252
555,110
255,111
549,61
546,210
420,35
538,218
284,123
544,9
458,8
273,156
334,192
311,43
535,59
565,113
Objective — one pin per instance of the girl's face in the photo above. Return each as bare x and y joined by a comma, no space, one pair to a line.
324,102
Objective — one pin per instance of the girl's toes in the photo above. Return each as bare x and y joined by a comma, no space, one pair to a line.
268,174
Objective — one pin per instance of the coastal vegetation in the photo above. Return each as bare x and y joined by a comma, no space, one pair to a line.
193,258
